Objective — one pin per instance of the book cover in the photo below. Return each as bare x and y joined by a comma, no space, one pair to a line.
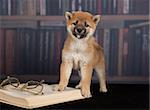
16,97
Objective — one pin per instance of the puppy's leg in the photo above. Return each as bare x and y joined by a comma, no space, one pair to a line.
65,72
79,85
100,69
86,75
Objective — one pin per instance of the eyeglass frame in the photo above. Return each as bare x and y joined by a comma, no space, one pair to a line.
25,87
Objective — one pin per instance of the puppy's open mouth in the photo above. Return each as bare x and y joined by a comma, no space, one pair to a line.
79,35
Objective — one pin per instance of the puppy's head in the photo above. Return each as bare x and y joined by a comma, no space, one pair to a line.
81,25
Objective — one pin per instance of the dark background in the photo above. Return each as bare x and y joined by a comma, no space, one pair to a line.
32,34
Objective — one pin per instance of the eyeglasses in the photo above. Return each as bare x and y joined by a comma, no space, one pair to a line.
29,86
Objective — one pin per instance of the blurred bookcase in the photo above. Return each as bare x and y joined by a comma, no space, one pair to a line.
32,33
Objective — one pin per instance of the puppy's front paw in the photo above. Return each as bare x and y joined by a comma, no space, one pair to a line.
59,88
86,92
78,86
104,89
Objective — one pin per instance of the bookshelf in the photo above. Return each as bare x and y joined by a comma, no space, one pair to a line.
42,27
62,18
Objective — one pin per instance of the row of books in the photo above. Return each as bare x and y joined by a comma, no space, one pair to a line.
126,50
59,7
31,51
38,51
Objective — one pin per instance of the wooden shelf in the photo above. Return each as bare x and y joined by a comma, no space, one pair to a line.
61,18
54,78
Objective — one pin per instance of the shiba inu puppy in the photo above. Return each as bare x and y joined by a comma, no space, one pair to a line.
81,51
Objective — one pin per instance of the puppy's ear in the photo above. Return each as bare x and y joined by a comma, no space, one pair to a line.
96,18
68,15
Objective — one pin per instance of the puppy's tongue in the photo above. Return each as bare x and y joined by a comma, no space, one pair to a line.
78,36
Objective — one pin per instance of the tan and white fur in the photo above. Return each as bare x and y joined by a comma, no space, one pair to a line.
81,51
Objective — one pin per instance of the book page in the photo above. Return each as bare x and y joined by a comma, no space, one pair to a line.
16,92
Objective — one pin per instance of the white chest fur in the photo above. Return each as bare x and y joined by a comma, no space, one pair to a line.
77,53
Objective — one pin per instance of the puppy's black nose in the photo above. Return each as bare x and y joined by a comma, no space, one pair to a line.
79,30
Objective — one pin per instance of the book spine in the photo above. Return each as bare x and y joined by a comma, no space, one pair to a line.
57,49
20,7
120,52
79,5
21,52
132,6
24,7
145,5
65,6
46,54
109,6
86,4
16,51
2,52
114,10
145,50
60,7
125,6
1,9
9,51
106,47
5,7
41,48
33,50
137,51
73,5
43,7
104,7
38,7
125,52
31,9
100,7
90,5
52,54
120,7
9,7
113,50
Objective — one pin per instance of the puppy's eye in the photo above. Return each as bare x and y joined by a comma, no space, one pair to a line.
86,25
75,23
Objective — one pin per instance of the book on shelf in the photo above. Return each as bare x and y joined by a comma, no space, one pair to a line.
113,52
106,48
16,97
125,52
121,48
145,49
2,51
137,53
9,50
58,7
120,51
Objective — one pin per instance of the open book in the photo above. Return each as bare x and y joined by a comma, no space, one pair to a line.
13,96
